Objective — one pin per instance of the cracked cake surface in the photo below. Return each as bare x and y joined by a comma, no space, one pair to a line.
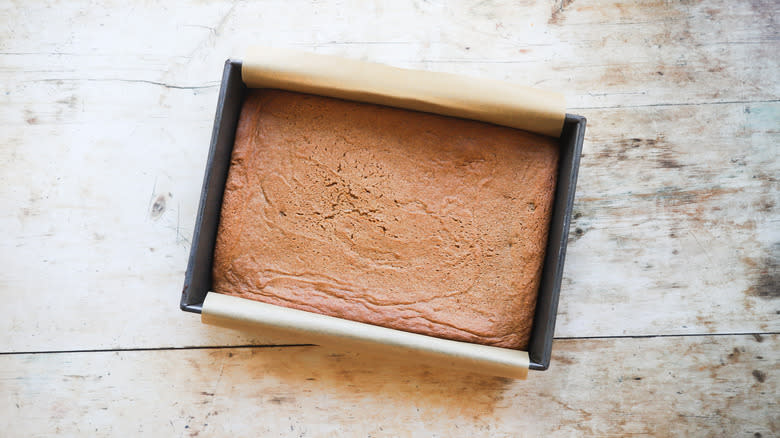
412,221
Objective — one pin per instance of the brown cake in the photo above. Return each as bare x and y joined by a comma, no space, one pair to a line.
407,220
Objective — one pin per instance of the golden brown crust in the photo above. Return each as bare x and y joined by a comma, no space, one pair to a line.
407,220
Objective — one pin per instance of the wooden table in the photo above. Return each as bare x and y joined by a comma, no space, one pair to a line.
669,315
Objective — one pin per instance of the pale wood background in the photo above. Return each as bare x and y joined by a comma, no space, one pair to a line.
670,310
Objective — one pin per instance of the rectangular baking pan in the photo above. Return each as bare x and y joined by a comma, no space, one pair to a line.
197,281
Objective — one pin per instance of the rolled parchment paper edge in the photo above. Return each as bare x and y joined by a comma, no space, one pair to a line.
244,314
491,101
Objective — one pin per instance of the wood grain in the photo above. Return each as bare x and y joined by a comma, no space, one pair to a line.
677,192
694,386
105,118
675,227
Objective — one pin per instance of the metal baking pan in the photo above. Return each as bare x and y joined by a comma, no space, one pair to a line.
197,281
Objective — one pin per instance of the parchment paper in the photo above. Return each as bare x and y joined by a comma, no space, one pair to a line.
233,312
497,102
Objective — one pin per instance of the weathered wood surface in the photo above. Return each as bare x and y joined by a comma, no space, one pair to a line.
692,386
107,116
105,120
